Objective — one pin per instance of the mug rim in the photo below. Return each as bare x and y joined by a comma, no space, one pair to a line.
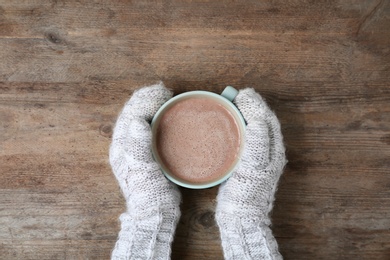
225,101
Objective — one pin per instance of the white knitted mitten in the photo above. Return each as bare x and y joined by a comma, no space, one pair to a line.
148,225
245,200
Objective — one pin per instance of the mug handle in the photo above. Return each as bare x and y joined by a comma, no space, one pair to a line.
229,93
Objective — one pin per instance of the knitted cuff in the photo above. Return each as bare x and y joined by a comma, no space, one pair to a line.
147,237
246,238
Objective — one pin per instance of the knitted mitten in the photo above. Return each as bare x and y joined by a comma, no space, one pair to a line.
245,200
148,225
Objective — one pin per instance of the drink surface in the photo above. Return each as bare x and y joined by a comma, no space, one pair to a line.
198,140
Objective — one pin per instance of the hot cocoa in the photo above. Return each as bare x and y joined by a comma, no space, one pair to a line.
197,140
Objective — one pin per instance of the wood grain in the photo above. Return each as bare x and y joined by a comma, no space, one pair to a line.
67,67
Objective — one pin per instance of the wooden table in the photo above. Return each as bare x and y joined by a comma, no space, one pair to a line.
67,68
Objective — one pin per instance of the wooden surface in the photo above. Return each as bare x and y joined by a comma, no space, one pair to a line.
67,67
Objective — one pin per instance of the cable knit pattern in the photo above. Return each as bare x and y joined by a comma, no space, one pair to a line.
148,225
246,199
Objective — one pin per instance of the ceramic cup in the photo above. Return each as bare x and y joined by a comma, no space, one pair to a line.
225,99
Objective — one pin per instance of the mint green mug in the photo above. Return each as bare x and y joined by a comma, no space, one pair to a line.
225,99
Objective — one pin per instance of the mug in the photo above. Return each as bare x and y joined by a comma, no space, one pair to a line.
225,99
